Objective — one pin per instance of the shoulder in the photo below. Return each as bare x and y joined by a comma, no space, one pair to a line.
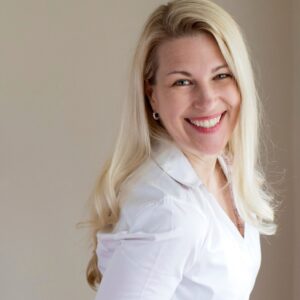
149,183
157,216
151,201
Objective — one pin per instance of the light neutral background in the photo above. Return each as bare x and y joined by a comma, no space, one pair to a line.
64,69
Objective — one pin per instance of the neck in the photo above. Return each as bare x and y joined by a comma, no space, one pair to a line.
205,167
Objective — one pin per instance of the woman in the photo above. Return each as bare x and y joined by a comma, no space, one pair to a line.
179,208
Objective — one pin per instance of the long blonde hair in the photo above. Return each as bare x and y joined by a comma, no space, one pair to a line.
138,130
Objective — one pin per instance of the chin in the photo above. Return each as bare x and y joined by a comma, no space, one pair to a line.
210,150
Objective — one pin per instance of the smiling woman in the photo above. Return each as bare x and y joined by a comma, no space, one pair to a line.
199,104
180,206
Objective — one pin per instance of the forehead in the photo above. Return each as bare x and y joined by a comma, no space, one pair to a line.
190,52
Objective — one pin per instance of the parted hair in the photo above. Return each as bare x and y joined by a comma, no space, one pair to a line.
138,131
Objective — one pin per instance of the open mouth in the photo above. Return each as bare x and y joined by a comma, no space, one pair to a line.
207,123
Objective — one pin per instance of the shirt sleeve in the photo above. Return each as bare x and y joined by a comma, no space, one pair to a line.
149,258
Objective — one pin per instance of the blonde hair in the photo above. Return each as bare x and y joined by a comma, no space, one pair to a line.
139,131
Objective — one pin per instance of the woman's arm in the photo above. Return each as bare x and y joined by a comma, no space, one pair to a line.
149,260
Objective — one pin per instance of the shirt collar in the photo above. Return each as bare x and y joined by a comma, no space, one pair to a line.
172,160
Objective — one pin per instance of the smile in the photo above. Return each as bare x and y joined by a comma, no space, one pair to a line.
208,122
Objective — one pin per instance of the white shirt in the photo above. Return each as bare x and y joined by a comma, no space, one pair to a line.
173,240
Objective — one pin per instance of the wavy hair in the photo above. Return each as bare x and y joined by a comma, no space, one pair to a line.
139,131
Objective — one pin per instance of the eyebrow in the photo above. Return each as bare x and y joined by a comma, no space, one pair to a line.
190,75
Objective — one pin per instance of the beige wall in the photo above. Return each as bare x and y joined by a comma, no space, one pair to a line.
64,67
296,146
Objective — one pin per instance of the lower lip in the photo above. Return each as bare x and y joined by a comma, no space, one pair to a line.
210,129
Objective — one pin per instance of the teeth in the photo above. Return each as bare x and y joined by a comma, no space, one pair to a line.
207,123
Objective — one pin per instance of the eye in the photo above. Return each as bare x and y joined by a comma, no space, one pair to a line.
182,82
223,76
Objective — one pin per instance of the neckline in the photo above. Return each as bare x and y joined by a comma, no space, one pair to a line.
219,208
227,219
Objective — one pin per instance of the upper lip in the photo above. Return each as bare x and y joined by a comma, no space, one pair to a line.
213,116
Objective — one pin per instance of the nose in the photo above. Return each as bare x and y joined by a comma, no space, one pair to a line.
205,97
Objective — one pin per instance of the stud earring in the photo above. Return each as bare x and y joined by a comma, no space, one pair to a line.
155,116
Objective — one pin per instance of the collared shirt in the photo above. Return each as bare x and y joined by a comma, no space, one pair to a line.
173,240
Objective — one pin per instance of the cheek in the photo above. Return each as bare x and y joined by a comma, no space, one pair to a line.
173,117
237,100
171,106
237,105
234,99
235,111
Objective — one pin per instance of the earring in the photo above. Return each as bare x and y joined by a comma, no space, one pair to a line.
155,116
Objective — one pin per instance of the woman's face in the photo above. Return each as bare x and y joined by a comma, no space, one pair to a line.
195,94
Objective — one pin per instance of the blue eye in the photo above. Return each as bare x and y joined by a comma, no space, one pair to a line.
182,82
223,76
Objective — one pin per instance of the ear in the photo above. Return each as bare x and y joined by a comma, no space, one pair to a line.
150,93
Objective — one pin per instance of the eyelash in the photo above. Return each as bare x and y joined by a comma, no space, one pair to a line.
180,80
222,74
219,76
